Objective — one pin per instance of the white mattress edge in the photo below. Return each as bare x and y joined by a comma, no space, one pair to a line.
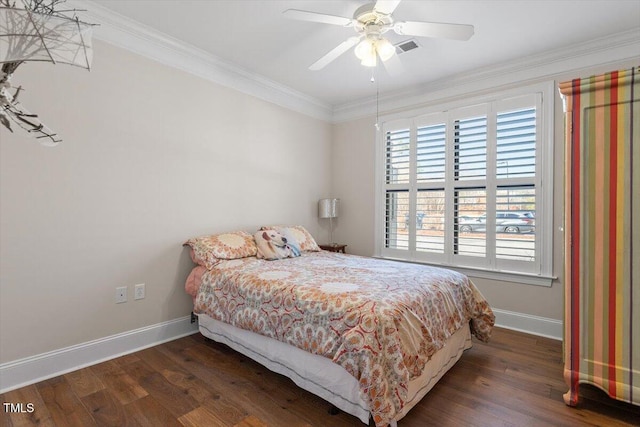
320,376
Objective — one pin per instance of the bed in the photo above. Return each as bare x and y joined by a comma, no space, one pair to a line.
370,336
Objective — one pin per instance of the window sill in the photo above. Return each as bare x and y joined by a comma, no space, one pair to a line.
505,276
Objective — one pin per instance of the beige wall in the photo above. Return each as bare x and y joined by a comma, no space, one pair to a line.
353,182
151,156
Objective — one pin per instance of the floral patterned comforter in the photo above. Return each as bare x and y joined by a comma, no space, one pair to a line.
380,320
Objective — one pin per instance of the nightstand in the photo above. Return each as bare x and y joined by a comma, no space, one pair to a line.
334,248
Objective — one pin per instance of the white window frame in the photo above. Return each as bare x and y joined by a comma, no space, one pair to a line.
541,273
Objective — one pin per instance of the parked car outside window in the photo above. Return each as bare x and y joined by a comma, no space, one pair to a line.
506,222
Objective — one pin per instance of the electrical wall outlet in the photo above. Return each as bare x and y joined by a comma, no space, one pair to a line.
121,294
138,291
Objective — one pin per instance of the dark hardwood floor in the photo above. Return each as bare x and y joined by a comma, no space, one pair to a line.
515,380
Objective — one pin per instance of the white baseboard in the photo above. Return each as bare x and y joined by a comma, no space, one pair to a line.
535,325
37,368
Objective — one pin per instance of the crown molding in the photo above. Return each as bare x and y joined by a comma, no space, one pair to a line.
143,40
131,35
545,66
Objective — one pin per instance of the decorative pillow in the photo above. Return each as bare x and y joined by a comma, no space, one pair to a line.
208,250
273,244
300,234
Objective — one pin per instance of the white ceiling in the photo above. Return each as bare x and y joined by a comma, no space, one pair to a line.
255,36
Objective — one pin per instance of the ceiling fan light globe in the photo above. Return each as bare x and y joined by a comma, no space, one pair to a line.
385,49
370,60
364,49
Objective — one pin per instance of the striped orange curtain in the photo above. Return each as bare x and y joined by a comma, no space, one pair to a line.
602,229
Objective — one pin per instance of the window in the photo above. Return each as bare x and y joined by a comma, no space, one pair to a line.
470,187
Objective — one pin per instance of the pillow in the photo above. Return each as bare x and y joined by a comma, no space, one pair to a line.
300,234
273,244
208,250
194,279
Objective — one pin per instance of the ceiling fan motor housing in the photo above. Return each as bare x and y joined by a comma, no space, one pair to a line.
370,22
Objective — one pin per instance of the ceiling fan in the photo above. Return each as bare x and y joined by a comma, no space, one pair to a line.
371,21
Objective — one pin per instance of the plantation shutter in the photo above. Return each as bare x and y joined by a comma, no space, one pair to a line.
397,180
463,187
516,191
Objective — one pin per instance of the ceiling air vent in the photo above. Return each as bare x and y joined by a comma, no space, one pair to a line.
406,46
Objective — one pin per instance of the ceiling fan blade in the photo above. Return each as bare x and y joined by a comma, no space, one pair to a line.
386,7
303,15
434,29
334,53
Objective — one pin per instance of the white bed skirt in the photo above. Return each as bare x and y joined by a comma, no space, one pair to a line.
320,375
